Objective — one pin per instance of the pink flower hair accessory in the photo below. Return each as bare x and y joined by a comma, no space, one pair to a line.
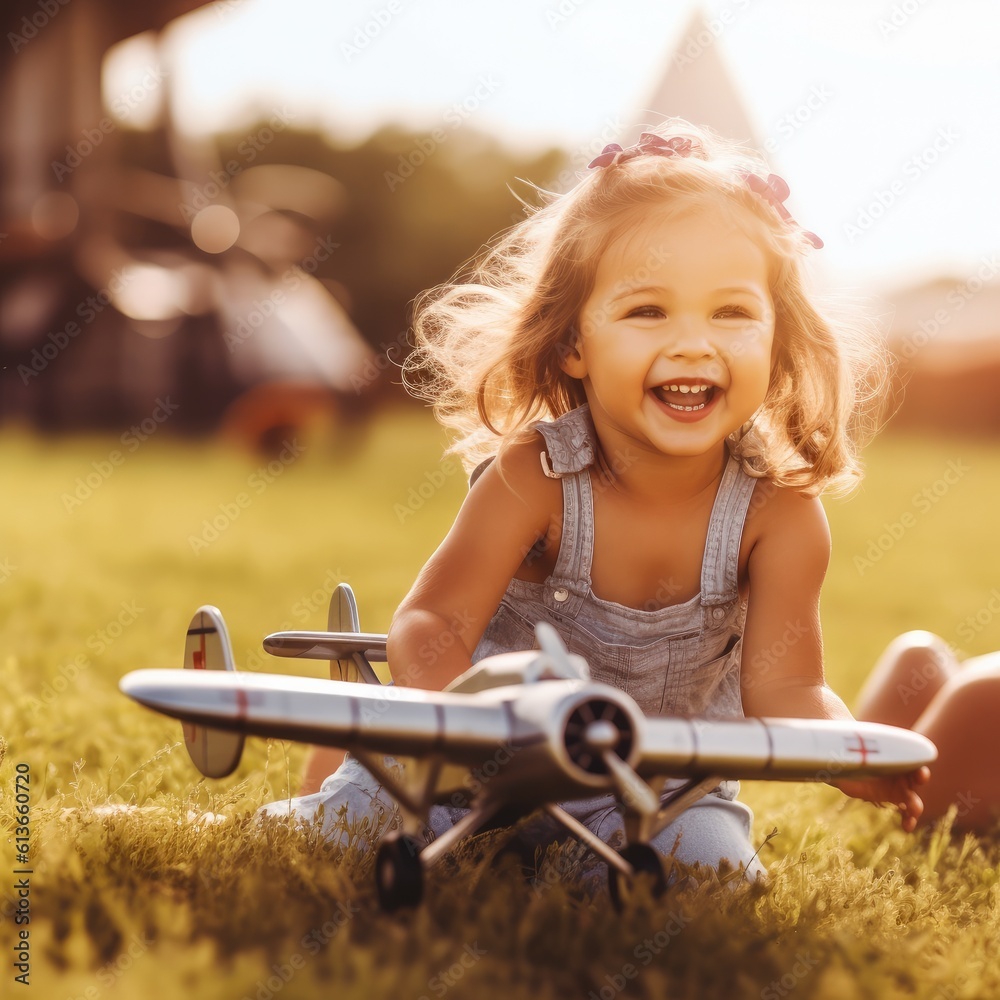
774,190
649,142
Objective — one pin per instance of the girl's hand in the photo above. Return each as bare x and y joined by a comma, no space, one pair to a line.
899,791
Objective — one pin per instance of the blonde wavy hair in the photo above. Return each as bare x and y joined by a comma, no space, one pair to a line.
489,342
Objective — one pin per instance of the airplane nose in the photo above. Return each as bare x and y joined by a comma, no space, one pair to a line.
601,735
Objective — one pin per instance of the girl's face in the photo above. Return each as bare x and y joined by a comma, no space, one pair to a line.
675,339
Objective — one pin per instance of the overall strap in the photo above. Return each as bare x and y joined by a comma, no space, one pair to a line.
569,582
570,443
569,453
576,547
725,529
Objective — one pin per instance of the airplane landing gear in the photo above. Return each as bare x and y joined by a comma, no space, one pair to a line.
644,861
399,873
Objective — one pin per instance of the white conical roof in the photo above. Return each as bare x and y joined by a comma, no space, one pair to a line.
697,86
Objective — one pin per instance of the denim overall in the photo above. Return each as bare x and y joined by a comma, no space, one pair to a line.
682,659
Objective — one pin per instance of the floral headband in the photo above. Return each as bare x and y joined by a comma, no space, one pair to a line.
773,190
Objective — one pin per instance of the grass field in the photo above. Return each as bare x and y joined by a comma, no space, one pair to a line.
161,902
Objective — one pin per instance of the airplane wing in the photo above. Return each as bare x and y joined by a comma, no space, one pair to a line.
387,720
783,749
564,731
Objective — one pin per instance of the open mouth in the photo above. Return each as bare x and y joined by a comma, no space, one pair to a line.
686,396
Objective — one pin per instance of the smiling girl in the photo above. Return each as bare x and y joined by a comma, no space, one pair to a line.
651,405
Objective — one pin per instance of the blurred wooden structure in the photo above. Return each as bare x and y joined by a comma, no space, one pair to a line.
110,297
945,334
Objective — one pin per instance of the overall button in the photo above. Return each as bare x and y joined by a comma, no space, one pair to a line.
718,612
561,594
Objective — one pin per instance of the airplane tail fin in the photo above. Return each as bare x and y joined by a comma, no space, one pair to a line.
207,647
343,617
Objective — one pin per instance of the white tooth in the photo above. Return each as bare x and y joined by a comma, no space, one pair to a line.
672,388
685,388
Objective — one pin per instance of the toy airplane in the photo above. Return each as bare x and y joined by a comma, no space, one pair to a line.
566,737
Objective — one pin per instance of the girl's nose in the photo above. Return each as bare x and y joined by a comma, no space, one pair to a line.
688,339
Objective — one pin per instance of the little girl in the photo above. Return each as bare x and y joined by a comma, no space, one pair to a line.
651,405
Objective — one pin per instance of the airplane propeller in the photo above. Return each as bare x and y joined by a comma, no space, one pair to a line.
632,790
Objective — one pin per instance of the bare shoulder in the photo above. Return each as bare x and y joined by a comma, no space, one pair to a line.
504,514
516,478
787,522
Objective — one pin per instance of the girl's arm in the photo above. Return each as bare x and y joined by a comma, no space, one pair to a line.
782,666
782,669
440,621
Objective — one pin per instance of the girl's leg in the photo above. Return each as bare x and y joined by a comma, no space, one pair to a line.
913,669
711,830
962,721
347,797
707,832
322,762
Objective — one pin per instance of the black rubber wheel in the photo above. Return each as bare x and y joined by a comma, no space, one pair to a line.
399,874
644,861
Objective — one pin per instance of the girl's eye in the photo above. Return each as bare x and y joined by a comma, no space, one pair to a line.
653,311
733,312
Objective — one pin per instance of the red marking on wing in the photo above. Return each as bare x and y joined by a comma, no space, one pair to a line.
862,748
189,729
199,654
